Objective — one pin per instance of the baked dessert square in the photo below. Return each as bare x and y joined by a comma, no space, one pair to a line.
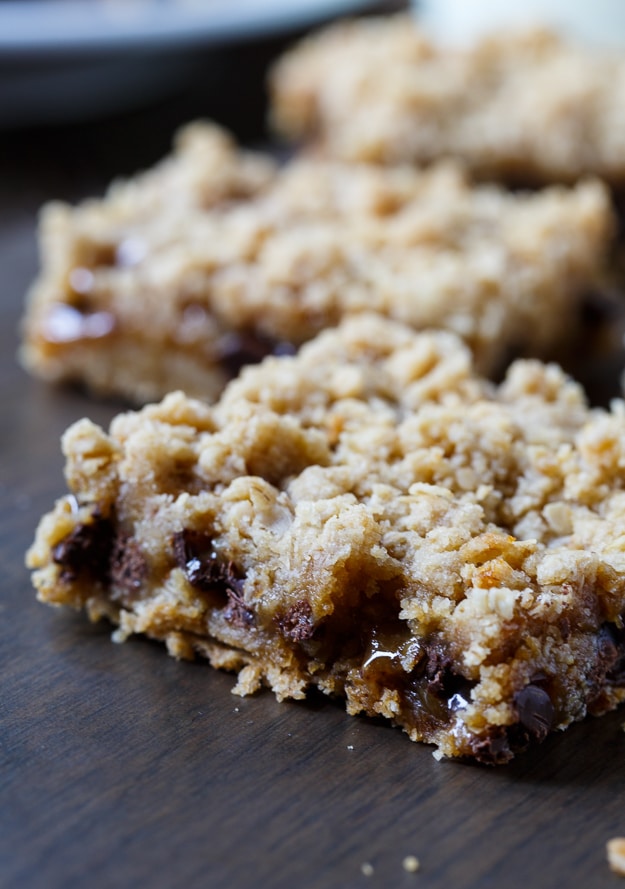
522,106
217,256
370,518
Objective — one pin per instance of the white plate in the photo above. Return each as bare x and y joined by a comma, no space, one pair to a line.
70,59
36,26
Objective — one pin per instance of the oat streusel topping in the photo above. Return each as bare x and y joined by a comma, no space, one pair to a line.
372,518
217,257
521,105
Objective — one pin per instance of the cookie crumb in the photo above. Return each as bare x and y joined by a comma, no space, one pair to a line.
350,746
616,855
411,864
367,869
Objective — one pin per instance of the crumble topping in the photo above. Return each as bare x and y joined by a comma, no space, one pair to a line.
216,257
516,105
372,518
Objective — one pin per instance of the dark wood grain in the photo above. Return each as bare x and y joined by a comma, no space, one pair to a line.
121,768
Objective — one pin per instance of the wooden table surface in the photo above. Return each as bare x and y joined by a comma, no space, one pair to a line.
120,767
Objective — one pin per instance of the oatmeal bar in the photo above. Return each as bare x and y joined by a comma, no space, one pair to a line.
216,257
370,518
523,105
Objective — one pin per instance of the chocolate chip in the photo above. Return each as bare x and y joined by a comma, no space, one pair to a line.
535,711
609,666
611,653
297,622
616,676
438,671
195,554
492,748
238,613
86,550
128,565
235,350
442,681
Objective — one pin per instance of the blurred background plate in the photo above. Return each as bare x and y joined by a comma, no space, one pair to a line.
65,60
600,23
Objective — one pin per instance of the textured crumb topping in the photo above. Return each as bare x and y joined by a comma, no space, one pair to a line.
219,256
525,105
371,517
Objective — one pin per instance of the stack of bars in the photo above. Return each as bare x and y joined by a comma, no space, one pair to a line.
364,511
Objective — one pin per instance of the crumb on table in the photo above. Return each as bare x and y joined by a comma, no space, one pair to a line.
616,855
411,864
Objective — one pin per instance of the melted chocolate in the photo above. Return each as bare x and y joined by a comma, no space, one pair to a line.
421,672
612,653
86,550
535,711
297,622
195,554
441,680
609,666
128,565
94,550
492,748
238,613
235,350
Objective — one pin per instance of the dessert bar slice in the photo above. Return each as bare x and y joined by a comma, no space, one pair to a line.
370,518
523,105
216,257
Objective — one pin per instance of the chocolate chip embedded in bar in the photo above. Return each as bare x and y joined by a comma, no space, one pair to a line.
86,550
128,566
297,622
235,350
524,106
195,554
371,518
535,710
216,258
